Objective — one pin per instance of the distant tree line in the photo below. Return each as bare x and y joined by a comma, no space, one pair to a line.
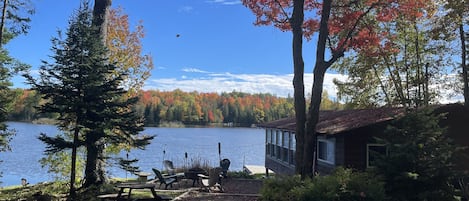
190,108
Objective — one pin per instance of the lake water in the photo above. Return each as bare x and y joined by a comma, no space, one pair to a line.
240,145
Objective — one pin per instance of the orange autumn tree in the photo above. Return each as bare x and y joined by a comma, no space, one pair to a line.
125,49
340,26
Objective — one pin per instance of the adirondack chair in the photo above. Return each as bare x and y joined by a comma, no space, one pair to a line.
168,165
167,181
212,181
225,164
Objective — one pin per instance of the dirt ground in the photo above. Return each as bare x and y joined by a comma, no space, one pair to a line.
234,190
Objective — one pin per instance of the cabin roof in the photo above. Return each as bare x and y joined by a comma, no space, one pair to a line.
333,122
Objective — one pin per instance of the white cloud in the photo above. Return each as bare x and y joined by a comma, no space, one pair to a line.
193,70
280,85
225,2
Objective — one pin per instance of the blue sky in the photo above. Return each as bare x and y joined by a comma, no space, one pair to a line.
218,48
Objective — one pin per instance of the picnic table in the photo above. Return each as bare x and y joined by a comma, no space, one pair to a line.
151,186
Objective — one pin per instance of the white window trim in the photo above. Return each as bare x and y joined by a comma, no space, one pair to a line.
368,152
328,143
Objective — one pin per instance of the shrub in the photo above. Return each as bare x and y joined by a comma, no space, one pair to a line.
280,188
343,184
419,164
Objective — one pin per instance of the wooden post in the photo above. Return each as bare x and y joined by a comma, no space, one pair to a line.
219,151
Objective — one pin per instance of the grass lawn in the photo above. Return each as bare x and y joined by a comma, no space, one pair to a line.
59,190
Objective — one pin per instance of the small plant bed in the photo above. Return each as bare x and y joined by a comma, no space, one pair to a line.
239,189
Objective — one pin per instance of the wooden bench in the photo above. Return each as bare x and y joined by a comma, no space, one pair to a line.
110,196
114,197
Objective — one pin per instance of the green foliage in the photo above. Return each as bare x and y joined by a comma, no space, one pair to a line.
12,25
402,72
280,188
58,164
53,191
128,165
5,104
419,164
17,13
342,184
79,86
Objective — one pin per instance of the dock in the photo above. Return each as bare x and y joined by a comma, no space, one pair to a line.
255,169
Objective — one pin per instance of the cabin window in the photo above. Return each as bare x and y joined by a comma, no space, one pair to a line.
291,152
268,136
272,145
272,142
293,142
326,150
372,152
268,141
278,144
285,136
278,138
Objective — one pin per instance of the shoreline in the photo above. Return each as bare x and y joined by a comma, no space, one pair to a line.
173,124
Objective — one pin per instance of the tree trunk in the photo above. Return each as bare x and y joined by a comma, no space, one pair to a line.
396,80
320,67
94,170
407,73
463,65
426,95
2,25
74,163
95,159
298,81
418,101
100,15
382,87
310,155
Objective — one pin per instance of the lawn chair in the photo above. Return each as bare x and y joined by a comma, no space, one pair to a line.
169,167
225,164
167,181
212,181
193,174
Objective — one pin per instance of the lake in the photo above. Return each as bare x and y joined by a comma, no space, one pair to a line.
240,145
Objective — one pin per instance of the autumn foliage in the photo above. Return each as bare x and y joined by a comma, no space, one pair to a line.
207,108
125,50
194,108
352,24
342,25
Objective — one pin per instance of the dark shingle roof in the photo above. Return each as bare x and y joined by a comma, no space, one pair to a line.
333,122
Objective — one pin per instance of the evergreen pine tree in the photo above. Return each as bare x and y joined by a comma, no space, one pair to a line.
80,87
5,101
419,161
